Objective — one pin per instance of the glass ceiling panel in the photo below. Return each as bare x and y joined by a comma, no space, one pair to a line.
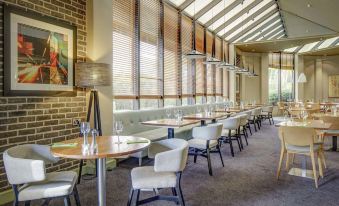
249,23
258,26
230,14
290,50
215,10
327,42
279,33
308,47
263,30
271,32
244,16
177,2
281,36
196,6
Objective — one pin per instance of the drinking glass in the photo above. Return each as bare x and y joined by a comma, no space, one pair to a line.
168,113
118,129
85,128
198,109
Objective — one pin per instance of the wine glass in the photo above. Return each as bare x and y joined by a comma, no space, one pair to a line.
85,128
168,113
198,109
118,129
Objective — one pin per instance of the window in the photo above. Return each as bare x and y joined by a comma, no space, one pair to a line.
187,71
281,77
150,67
199,66
124,75
171,55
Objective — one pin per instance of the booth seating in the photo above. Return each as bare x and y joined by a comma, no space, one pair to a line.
132,123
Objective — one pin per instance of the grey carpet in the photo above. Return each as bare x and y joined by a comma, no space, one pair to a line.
247,179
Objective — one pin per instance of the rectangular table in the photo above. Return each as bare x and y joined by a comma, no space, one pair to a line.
303,172
203,117
170,124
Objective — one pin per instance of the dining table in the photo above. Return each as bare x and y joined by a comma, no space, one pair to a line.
205,116
170,124
315,124
107,146
334,127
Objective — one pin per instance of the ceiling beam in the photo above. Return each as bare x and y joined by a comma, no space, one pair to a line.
259,21
281,17
223,12
273,26
249,18
239,14
206,8
185,4
259,29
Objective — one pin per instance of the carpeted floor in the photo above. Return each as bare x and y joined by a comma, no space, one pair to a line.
247,179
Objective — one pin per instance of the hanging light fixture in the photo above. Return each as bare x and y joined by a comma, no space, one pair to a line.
302,78
252,74
194,54
212,59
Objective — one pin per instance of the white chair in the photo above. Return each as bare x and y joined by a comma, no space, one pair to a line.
205,140
267,113
255,118
230,132
170,157
26,172
243,124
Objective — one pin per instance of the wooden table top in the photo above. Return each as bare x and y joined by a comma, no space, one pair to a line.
309,124
328,114
329,103
299,109
172,123
204,116
107,147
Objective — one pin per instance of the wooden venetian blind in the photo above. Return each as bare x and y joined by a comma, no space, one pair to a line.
186,46
124,71
150,70
200,68
274,60
225,73
218,71
171,45
287,61
210,73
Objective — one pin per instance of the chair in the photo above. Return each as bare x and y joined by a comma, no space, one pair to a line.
170,157
205,141
267,113
333,131
242,128
255,118
300,140
230,132
26,172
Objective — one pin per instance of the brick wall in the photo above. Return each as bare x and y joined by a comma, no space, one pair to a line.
42,120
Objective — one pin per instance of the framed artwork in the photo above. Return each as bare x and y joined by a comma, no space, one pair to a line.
333,86
39,54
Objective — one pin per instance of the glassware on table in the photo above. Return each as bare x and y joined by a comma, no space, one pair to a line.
168,113
118,129
85,128
198,109
94,144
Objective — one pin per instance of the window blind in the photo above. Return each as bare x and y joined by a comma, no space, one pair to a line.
287,61
200,68
218,71
150,72
171,55
186,46
225,73
210,73
124,71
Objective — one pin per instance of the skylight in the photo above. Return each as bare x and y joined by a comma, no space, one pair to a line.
307,47
327,43
273,31
291,50
215,10
196,6
262,31
177,2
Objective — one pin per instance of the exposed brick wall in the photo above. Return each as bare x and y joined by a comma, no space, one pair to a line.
42,120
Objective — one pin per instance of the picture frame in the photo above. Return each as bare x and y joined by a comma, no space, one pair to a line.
333,86
39,54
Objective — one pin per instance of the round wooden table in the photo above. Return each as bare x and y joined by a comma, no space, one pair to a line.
107,147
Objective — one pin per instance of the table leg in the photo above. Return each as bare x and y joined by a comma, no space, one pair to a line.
334,143
304,166
170,133
102,181
214,120
203,122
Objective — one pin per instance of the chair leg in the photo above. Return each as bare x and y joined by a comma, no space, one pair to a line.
222,161
130,197
67,201
282,153
238,143
287,161
314,170
46,202
255,127
80,170
209,162
137,198
293,155
179,190
140,161
231,147
27,203
320,165
244,131
195,156
323,158
76,196
249,128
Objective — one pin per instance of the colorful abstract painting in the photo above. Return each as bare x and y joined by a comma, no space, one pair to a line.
333,86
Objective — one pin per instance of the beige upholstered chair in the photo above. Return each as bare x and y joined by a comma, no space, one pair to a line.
333,131
267,113
205,141
243,124
26,172
300,140
255,118
170,157
230,132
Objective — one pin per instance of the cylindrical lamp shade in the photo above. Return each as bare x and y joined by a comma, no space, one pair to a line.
93,74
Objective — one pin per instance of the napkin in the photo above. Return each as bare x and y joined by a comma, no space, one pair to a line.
137,141
55,145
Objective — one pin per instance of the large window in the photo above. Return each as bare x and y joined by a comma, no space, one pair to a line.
281,77
150,70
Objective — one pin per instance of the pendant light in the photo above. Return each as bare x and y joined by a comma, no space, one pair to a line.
302,78
252,74
212,59
194,54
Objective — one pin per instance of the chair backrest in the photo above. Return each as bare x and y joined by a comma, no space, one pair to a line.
256,112
26,163
334,120
209,132
172,156
267,109
243,119
232,123
298,136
